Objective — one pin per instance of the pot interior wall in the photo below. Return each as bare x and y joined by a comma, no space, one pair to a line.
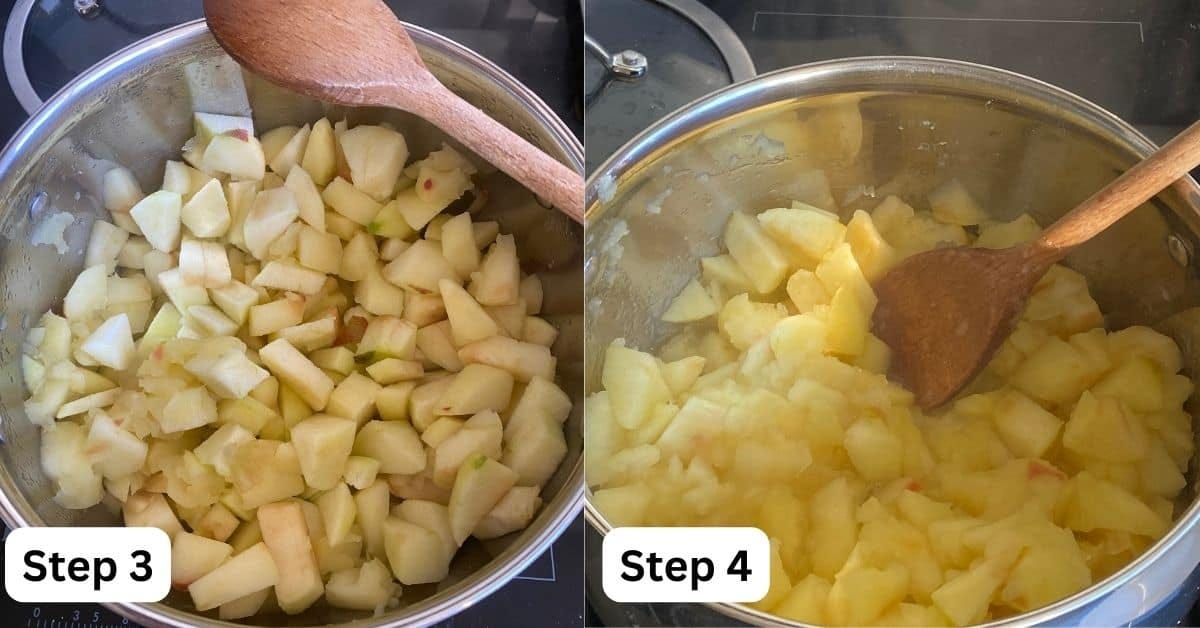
139,117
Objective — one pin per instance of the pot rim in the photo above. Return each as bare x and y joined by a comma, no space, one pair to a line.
789,83
565,506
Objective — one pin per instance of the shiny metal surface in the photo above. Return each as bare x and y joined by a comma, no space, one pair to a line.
627,64
741,66
134,109
1019,145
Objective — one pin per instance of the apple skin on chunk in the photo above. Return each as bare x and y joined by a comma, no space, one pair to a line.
286,535
251,570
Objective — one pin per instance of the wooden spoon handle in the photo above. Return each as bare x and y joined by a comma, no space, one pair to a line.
1136,186
496,144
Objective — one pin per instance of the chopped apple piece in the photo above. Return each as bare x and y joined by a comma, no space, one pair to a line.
361,471
113,451
377,295
477,387
193,556
158,217
758,256
392,401
524,360
244,606
468,320
241,158
274,316
423,309
235,299
388,337
480,484
320,156
354,399
513,512
350,201
416,211
391,370
692,304
265,471
218,449
534,451
371,505
120,190
323,445
251,570
112,343
206,214
375,155
87,294
498,279
272,212
104,244
458,245
290,153
319,250
188,409
362,588
151,510
298,372
337,512
436,343
541,400
416,555
394,444
281,275
420,267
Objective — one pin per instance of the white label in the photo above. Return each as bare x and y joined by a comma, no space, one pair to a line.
59,564
686,564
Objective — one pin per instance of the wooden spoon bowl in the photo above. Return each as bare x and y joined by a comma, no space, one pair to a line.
945,312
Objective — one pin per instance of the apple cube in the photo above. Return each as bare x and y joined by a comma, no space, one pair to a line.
158,217
350,202
415,554
874,255
290,153
320,157
87,403
111,344
235,299
523,359
965,598
239,157
538,331
218,523
692,304
394,444
206,214
422,402
319,250
269,318
323,445
513,512
498,279
1057,372
361,471
120,190
436,343
104,245
112,451
182,294
392,401
390,223
298,372
391,370
480,484
151,510
193,556
375,155
272,212
338,512
218,450
87,294
265,471
388,337
209,125
354,399
1102,427
133,253
377,295
251,570
420,267
951,203
1092,503
477,387
371,506
458,245
833,527
875,451
481,434
758,256
441,430
363,588
847,325
1027,429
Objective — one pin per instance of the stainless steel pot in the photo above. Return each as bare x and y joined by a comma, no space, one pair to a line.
1018,144
134,109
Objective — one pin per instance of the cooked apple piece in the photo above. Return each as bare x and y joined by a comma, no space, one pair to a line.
272,212
421,308
193,556
251,570
343,227
480,484
481,434
104,245
113,451
87,294
541,400
323,445
247,412
394,444
423,401
133,253
265,471
354,399
361,471
392,248
388,337
458,245
206,214
182,294
87,403
840,270
183,179
218,450
362,588
847,325
290,153
420,267
274,316
510,318
377,295
469,322
757,255
524,360
282,275
298,372
320,158
430,515
218,523
375,155
436,343
635,384
111,344
158,217
477,387
239,157
392,401
209,125
390,223
513,512
319,250
440,430
371,506
151,510
350,202
361,254
692,304
391,370
337,359
235,299
416,555
416,211
338,512
313,335
535,451
951,203
232,375
120,190
498,279
187,410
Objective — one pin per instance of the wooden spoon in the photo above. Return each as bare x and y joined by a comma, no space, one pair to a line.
356,53
945,312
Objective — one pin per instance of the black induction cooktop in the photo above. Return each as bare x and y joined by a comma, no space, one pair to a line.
537,41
